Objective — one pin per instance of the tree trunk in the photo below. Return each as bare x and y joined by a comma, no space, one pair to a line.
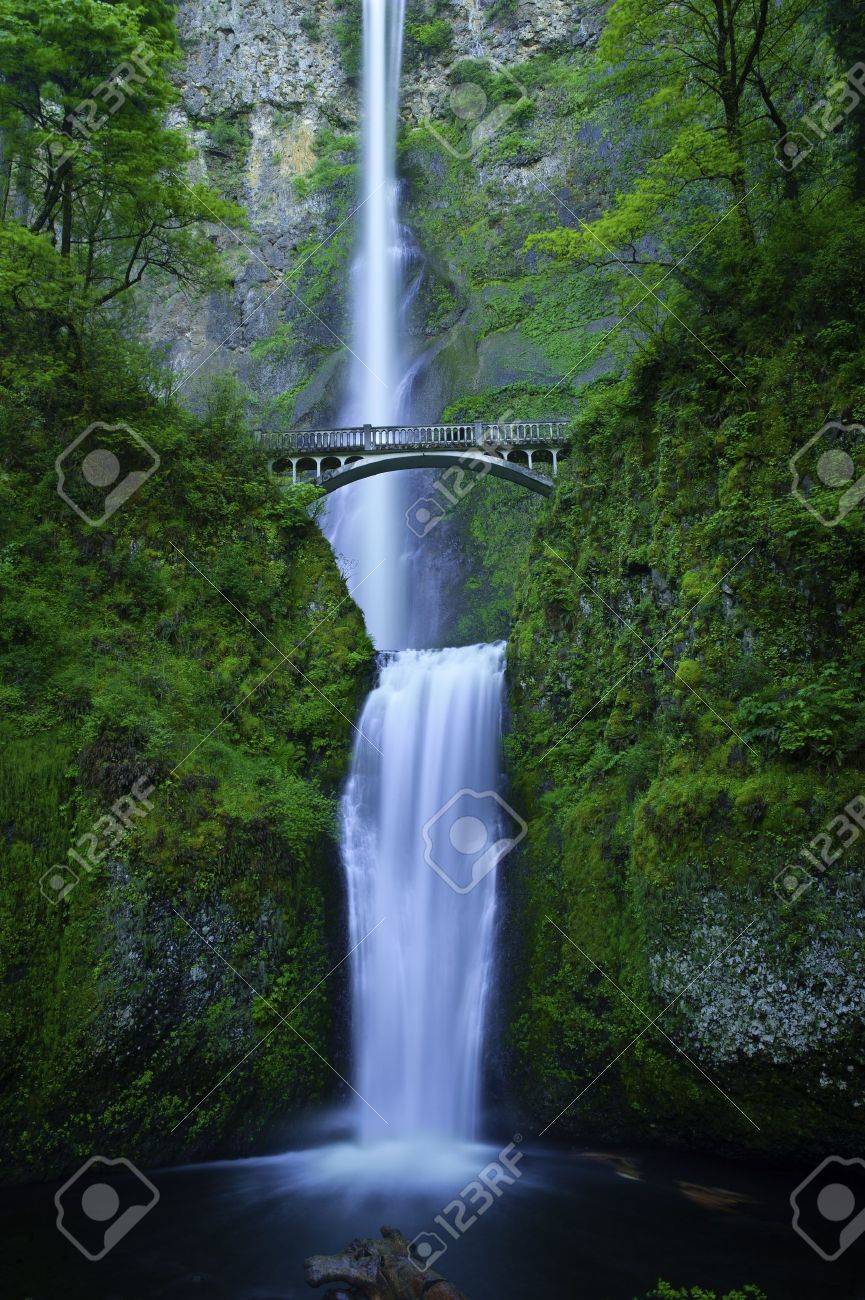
66,202
738,178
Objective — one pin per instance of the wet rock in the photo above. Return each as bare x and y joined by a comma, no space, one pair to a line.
378,1269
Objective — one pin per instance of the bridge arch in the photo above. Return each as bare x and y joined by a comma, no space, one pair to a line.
458,462
519,456
305,465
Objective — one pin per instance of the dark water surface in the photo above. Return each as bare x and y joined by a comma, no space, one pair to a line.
602,1227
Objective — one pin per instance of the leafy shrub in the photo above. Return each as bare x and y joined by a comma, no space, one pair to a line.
430,38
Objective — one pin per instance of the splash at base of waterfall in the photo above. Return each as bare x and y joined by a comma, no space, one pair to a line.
354,1171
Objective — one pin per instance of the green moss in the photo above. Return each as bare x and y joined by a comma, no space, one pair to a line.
310,25
686,721
425,39
229,136
183,640
347,30
334,170
689,673
229,140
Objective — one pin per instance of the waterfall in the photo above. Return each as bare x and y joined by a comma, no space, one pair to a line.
422,828
365,522
418,819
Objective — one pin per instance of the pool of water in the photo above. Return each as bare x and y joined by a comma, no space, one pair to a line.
599,1225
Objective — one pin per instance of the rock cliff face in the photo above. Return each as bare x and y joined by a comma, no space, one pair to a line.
270,97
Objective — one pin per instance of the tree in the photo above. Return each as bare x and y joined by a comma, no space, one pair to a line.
706,87
88,160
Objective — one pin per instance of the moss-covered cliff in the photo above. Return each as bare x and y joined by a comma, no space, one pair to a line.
684,664
180,662
202,643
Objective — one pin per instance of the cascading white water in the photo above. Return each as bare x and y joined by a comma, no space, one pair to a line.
430,730
429,735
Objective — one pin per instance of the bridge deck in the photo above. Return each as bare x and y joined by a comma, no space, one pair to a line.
369,439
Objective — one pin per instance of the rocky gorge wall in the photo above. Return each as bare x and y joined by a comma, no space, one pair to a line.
687,923
270,98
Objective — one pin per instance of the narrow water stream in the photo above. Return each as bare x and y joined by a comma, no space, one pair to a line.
365,521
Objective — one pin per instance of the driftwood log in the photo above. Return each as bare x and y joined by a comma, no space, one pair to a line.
369,1269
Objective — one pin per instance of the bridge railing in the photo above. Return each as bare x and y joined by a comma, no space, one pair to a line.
380,438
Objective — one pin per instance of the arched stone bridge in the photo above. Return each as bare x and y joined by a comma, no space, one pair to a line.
524,451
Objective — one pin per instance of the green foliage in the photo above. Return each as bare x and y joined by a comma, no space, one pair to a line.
229,136
229,140
335,166
709,97
684,665
181,639
429,38
347,30
120,646
817,719
278,345
310,25
199,636
524,322
82,108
